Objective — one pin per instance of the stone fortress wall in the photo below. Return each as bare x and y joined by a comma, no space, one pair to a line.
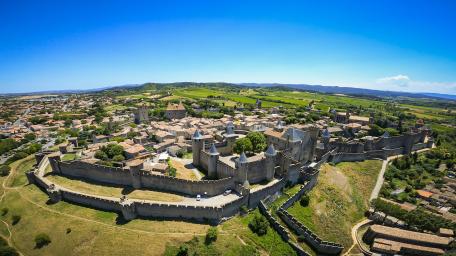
318,244
133,208
281,167
127,177
381,148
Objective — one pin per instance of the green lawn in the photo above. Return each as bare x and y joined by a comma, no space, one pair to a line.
20,167
238,239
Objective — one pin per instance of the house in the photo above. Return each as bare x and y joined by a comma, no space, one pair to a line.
175,111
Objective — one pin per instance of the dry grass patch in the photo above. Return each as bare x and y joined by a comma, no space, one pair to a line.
111,191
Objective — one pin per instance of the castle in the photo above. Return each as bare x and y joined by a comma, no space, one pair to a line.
292,156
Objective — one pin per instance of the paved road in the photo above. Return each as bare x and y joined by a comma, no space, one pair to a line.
381,179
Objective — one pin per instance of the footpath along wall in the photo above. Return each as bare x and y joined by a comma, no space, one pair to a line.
131,209
140,178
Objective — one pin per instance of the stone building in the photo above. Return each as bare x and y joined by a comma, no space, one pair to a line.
175,111
141,114
391,240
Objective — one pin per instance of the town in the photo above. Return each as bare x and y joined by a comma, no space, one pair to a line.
200,154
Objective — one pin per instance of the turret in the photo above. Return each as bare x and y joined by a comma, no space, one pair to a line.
325,137
212,164
229,128
197,146
278,127
242,170
127,208
270,162
368,143
54,160
54,194
135,167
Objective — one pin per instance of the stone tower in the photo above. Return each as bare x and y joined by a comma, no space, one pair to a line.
141,114
54,160
212,165
242,170
325,136
313,132
127,208
135,167
197,146
270,162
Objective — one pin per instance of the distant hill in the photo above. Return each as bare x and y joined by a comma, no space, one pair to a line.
305,87
354,91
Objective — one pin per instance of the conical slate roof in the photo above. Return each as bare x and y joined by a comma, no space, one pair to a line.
386,135
279,124
243,158
325,133
293,135
270,151
197,135
213,151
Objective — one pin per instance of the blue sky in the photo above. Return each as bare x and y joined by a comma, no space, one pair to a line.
392,45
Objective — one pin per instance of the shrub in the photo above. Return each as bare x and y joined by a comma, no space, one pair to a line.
101,155
211,235
4,211
183,250
118,158
41,240
305,199
8,251
259,225
172,172
244,209
68,230
180,153
15,219
301,238
4,170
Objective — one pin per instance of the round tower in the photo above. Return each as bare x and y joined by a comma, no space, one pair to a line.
212,165
135,167
325,136
270,162
242,170
197,146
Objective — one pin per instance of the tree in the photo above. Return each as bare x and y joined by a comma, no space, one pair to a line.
259,225
183,250
243,145
113,150
101,155
118,158
305,199
211,235
376,130
41,240
4,170
15,219
258,141
172,171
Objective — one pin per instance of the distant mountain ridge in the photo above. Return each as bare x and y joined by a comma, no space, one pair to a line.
354,91
305,87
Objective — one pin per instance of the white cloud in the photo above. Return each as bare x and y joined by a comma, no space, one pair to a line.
404,82
399,80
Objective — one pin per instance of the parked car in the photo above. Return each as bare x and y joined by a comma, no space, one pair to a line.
198,197
227,192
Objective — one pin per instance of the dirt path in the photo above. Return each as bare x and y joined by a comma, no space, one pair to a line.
353,234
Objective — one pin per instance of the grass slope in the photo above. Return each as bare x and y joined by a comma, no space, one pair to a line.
339,200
